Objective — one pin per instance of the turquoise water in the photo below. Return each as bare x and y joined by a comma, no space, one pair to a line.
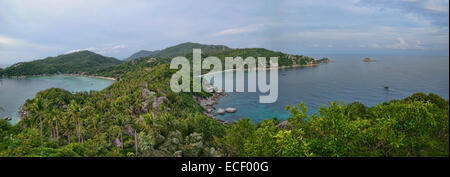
346,79
14,92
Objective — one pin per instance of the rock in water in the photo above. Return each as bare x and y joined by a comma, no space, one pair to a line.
231,110
220,111
367,59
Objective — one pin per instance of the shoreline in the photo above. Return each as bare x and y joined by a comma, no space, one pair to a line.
264,69
208,103
50,75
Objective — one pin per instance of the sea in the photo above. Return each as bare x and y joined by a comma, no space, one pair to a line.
14,92
345,80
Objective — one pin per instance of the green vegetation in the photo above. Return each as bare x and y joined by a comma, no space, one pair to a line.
179,50
142,53
89,63
140,116
284,60
409,127
83,62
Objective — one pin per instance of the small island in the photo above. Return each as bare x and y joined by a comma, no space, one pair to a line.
367,59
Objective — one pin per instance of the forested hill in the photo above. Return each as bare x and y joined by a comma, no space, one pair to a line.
140,116
83,62
142,53
284,60
179,50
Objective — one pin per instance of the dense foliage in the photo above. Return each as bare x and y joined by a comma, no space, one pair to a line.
140,116
178,50
142,53
83,62
284,60
410,127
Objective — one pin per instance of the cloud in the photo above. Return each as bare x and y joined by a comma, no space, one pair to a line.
78,50
240,30
289,26
10,42
434,10
103,50
402,44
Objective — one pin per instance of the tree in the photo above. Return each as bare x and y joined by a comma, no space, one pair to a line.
38,107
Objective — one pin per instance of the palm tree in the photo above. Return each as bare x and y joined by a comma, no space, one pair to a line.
38,108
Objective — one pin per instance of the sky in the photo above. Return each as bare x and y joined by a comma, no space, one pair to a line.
35,29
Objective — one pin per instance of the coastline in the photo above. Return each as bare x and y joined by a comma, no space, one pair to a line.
46,75
21,112
263,69
208,103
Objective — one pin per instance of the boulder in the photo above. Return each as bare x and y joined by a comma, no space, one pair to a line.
231,110
210,109
283,124
220,111
117,142
156,104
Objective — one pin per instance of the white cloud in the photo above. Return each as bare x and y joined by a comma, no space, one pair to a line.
436,11
402,44
78,50
103,50
9,42
240,30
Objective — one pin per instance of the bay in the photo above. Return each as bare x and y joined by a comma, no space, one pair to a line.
347,79
14,92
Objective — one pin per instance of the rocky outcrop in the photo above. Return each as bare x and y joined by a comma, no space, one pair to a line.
283,124
220,111
209,102
156,104
231,110
117,142
146,98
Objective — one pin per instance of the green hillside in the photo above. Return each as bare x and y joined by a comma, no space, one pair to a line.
284,60
74,63
140,116
186,48
142,53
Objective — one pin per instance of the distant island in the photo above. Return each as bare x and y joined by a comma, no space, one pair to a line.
368,60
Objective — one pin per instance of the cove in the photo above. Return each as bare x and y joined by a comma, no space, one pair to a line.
346,79
14,92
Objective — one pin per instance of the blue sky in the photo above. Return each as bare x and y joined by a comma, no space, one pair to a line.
33,29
